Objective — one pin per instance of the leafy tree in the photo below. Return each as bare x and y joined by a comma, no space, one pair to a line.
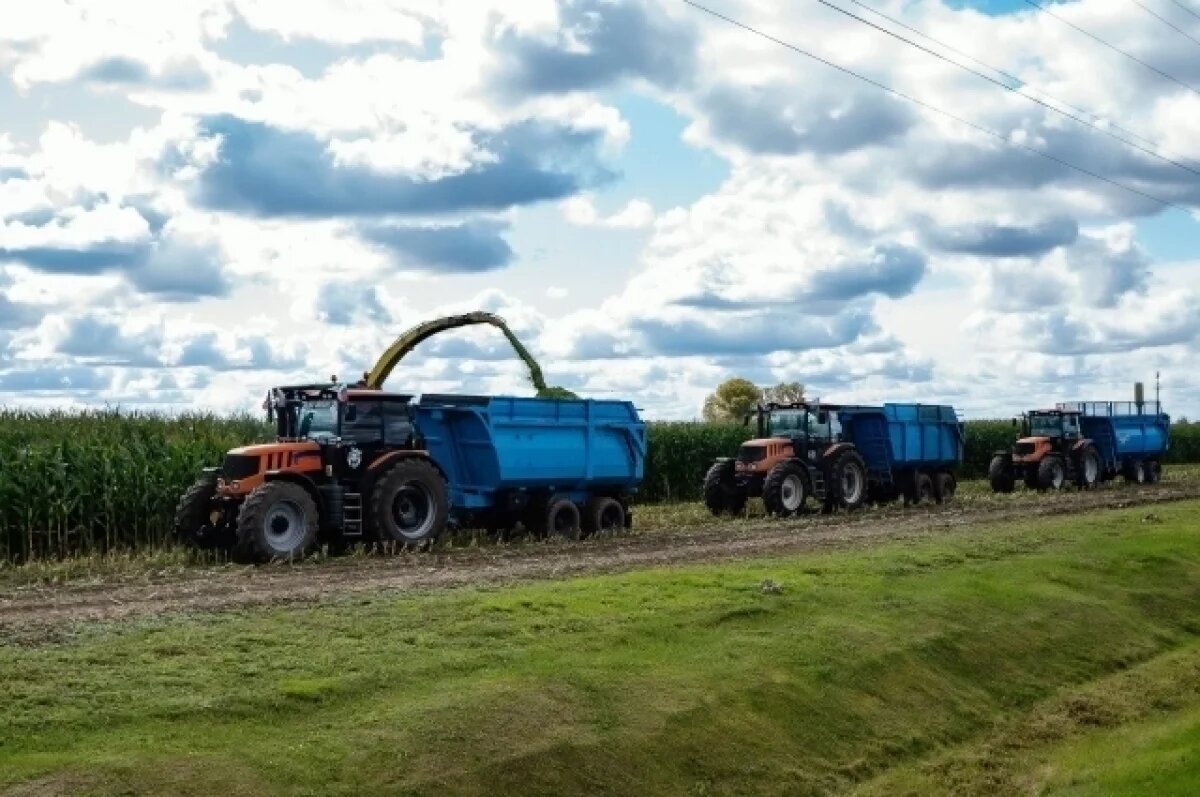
785,393
732,399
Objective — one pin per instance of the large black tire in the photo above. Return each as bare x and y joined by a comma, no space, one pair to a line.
1000,474
562,519
1134,472
924,489
944,486
409,503
1153,471
1051,473
195,525
848,480
1087,467
278,522
785,490
603,517
721,494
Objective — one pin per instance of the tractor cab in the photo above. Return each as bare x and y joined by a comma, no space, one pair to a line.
1046,431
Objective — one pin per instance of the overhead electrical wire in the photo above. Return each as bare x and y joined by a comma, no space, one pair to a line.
1113,47
1008,75
1165,21
949,115
1007,87
1185,8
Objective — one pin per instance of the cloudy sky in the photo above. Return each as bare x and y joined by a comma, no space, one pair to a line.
201,199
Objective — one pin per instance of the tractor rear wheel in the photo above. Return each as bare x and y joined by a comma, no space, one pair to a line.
721,494
409,503
785,490
604,517
944,486
197,525
848,480
1000,474
1051,473
1087,467
277,523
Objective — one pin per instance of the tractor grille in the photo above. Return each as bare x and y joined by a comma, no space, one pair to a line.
752,453
239,466
1024,449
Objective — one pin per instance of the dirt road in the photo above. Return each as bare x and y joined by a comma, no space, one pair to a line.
29,609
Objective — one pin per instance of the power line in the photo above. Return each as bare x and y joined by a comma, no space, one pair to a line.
1165,21
1185,8
1113,47
1007,75
896,92
1006,87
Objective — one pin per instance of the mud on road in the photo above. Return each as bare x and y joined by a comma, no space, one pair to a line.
36,612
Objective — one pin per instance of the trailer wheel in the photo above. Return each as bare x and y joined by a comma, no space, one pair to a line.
197,524
721,495
1051,473
785,490
409,503
604,518
562,519
277,523
849,480
1153,471
1000,474
1135,472
925,490
944,486
1087,467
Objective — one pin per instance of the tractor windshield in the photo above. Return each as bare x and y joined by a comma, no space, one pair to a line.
317,418
1045,424
785,422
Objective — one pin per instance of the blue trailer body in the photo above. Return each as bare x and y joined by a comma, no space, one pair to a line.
491,447
1124,432
898,439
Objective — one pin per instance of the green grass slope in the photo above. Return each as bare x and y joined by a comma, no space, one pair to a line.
907,668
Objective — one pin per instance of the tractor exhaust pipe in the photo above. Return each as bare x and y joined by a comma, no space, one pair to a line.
1139,396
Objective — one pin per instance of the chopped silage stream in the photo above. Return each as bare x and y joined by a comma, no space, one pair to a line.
28,610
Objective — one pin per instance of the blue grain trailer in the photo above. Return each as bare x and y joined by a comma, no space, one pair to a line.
844,456
566,467
1084,443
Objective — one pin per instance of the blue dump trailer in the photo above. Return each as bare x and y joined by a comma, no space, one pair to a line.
1084,443
567,467
843,456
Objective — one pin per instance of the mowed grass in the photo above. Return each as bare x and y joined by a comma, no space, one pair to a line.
1013,658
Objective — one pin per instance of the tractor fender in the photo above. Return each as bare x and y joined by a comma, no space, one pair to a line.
836,449
383,462
1087,441
296,477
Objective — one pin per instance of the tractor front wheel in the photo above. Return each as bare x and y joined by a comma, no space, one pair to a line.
721,494
277,522
197,525
1000,474
785,489
1051,473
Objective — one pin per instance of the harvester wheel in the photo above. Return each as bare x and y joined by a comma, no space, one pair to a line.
1000,474
1087,467
562,519
196,523
721,494
944,486
409,504
277,522
1051,473
604,518
785,490
1135,472
848,482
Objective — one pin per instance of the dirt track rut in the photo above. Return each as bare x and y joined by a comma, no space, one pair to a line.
226,588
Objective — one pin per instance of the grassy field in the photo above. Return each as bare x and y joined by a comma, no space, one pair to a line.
1011,659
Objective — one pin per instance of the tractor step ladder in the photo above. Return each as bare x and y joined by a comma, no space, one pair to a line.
818,484
874,449
352,515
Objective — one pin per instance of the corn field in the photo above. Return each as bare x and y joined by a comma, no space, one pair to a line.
75,482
